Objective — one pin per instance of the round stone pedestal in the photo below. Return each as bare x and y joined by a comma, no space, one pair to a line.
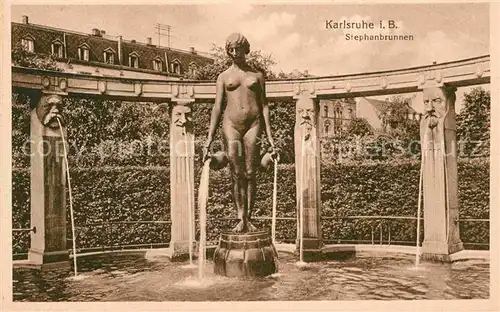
245,255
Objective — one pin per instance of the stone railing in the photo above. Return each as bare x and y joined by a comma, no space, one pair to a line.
438,83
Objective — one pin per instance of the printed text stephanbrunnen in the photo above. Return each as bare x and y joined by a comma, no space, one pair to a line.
370,27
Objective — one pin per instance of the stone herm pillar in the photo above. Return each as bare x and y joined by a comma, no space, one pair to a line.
181,178
48,183
307,157
440,188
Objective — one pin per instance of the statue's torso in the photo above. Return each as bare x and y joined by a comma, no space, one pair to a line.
243,94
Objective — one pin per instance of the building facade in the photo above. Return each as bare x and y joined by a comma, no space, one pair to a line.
100,54
335,116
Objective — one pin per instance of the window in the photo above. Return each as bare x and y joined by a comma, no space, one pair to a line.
28,44
57,48
176,67
193,68
157,64
84,52
325,111
327,126
109,56
133,60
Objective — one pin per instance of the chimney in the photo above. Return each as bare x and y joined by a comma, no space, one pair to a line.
193,51
103,32
120,49
132,41
25,19
96,32
306,73
149,41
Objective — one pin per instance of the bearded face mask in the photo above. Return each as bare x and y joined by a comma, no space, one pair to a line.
434,106
49,111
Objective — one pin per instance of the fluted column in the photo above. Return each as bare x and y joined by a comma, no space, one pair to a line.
440,188
181,177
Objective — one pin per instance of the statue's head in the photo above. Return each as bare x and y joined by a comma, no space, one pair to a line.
437,102
49,110
237,46
181,115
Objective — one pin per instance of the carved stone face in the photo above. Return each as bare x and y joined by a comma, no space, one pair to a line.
49,110
305,116
435,105
181,115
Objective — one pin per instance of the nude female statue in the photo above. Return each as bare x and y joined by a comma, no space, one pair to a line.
246,115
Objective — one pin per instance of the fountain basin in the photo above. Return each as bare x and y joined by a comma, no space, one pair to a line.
149,275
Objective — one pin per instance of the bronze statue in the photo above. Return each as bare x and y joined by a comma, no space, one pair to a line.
246,115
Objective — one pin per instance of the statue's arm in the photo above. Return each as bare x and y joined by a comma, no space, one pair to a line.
216,110
265,110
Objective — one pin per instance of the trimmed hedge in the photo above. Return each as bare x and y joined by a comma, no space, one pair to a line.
101,195
143,193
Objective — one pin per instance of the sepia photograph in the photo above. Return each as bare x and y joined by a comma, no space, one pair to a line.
321,155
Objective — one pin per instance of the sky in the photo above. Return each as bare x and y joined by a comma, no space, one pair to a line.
294,35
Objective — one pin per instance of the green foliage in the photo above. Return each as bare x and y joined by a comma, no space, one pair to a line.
20,209
351,189
23,58
474,199
396,117
473,124
20,130
359,127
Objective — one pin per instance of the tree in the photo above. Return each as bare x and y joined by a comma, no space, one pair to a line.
396,118
359,126
473,123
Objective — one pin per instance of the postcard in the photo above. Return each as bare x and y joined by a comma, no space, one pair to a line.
250,156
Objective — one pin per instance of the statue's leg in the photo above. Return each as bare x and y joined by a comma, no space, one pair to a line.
252,160
235,154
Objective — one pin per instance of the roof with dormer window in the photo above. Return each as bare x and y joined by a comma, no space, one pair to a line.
46,35
28,36
84,46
